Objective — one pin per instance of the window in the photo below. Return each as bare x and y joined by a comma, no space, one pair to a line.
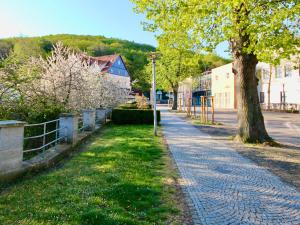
282,97
278,72
265,74
227,75
216,77
262,97
288,69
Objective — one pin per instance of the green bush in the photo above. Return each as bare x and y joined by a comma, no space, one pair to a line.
134,116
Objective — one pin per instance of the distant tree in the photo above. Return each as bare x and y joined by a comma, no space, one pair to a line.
211,60
5,49
46,45
99,50
253,28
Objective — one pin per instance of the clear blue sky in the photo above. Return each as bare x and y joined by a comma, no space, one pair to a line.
111,18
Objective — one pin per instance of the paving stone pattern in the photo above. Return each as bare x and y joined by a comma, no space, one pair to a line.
223,187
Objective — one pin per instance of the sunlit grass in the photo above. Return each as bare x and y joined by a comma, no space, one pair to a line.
119,179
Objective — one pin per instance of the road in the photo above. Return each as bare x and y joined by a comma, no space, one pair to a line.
283,127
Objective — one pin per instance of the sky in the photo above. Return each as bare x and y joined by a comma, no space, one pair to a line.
110,18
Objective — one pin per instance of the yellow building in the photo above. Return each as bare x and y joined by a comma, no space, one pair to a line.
223,87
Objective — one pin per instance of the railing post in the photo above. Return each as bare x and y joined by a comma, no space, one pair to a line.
89,119
100,115
68,127
108,113
11,145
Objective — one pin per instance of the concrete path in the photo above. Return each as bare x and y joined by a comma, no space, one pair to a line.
222,186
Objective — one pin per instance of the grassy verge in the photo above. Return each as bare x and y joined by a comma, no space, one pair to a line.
121,177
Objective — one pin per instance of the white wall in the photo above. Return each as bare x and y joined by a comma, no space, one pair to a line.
289,84
122,80
185,92
223,86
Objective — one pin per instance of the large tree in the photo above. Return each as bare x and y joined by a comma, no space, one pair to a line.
250,26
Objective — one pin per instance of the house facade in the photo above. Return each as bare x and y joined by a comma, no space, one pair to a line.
113,66
223,87
280,84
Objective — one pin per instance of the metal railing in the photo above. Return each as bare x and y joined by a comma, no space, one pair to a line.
80,124
45,134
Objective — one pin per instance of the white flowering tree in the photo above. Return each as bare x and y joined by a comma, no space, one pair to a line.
69,78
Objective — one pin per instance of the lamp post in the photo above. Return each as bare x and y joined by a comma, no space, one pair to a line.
153,56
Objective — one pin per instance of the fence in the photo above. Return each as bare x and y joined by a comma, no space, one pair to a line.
281,107
64,130
45,144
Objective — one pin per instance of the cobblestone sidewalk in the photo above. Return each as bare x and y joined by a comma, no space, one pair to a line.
222,186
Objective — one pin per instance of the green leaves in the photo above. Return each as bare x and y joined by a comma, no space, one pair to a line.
260,26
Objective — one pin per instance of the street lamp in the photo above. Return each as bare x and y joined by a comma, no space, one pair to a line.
153,56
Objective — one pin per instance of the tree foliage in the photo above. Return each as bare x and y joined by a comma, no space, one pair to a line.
268,24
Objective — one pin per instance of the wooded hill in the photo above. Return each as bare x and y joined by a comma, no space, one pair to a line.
134,54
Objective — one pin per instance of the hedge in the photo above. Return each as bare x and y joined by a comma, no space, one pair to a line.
134,116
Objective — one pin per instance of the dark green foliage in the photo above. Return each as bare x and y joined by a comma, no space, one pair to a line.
5,49
46,45
134,116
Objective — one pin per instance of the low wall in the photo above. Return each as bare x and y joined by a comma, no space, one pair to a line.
13,166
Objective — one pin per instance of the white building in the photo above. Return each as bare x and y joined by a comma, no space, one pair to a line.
284,81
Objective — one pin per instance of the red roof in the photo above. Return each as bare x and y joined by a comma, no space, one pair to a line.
106,61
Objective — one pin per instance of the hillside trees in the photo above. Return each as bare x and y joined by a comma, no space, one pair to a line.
251,27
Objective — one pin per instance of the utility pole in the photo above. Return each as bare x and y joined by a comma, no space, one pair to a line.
153,56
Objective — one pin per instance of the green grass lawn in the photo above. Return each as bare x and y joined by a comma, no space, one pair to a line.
121,177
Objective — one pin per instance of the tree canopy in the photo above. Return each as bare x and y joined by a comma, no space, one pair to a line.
268,24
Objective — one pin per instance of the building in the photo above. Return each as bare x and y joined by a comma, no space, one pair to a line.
184,92
114,66
221,83
283,83
223,87
201,87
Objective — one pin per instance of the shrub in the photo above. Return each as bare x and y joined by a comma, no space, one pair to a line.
142,102
128,106
133,116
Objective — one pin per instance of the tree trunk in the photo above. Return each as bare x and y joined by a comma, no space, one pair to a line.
175,93
251,127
